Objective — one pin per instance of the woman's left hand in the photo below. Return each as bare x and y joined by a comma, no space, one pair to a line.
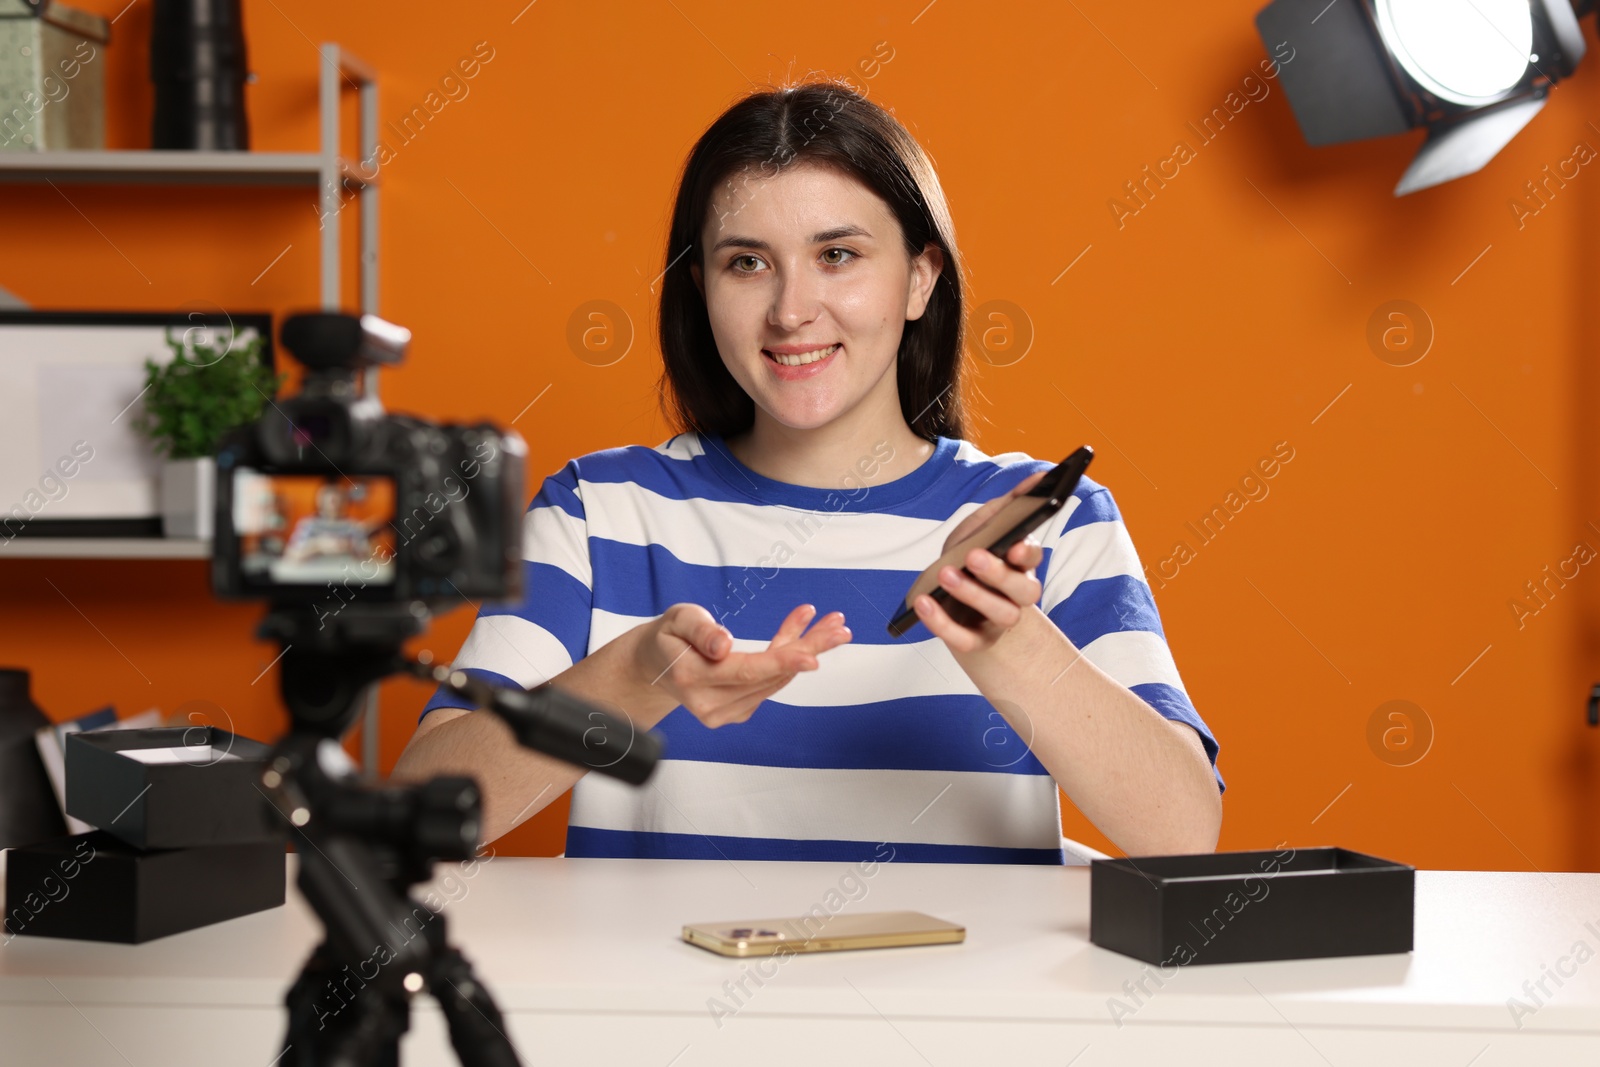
1002,589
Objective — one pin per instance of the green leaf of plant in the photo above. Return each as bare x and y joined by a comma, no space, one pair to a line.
191,402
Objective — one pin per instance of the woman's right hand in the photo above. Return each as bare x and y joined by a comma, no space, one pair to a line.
690,657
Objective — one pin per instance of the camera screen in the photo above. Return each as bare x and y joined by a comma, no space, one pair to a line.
311,529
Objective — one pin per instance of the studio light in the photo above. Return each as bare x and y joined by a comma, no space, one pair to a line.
1472,72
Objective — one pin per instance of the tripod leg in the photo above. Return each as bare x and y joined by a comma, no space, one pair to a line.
338,1021
477,1029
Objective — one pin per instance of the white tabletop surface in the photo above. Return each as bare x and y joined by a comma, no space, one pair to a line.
594,942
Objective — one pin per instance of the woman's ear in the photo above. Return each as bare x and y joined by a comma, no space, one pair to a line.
699,282
925,270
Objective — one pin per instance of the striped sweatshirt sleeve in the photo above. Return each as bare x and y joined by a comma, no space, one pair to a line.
1095,592
529,641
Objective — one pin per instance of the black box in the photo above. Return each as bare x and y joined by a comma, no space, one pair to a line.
215,800
98,888
1232,907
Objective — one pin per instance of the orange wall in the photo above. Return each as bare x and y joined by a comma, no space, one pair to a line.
1188,340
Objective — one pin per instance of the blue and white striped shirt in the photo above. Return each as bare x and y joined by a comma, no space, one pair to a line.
888,740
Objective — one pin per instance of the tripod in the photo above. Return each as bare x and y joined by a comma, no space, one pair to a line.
361,848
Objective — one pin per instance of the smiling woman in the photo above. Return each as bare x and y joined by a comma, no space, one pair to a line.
811,332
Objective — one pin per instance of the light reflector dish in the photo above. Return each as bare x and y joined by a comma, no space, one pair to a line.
1469,52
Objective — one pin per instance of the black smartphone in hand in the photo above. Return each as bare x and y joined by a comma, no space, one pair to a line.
1019,518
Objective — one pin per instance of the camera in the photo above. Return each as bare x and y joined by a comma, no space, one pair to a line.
326,500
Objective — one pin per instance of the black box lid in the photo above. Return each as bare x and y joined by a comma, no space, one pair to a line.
170,787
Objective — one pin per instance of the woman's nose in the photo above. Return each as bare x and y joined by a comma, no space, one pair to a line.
795,302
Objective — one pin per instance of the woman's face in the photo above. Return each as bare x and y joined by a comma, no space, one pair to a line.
330,502
811,259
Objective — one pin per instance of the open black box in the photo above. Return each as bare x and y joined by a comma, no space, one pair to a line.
1234,907
210,796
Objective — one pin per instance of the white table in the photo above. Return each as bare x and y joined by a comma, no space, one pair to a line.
584,959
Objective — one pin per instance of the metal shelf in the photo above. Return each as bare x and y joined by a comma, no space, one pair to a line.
326,171
104,166
104,548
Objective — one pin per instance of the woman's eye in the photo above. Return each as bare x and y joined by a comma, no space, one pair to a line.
738,263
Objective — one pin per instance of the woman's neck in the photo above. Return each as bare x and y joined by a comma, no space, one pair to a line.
825,457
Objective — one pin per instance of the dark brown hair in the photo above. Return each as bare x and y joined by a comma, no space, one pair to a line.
831,124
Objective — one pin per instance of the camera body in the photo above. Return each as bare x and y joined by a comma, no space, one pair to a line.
326,500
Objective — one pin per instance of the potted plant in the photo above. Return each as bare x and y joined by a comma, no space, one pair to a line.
189,403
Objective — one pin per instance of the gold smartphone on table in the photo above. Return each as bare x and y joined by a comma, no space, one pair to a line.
835,933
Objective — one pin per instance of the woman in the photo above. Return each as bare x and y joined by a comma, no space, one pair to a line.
822,464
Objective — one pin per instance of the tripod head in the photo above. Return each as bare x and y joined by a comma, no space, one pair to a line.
329,660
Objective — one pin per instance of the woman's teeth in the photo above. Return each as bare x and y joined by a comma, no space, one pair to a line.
804,357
